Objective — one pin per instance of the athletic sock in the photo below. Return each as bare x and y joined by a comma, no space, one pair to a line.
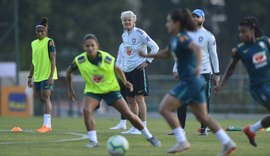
144,123
179,135
123,122
92,135
47,120
256,127
222,136
146,133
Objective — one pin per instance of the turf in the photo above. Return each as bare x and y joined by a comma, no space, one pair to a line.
36,144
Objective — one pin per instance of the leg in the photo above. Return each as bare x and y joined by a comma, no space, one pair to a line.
142,107
182,115
89,106
200,112
45,95
123,108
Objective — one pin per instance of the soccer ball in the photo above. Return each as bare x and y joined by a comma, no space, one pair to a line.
117,145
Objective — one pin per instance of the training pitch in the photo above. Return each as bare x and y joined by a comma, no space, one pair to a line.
68,138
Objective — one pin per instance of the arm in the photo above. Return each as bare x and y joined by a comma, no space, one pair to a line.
212,49
163,53
52,53
69,77
151,44
197,50
175,73
122,77
30,76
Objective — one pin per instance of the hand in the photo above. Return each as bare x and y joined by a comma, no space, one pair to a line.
50,81
72,95
142,53
129,86
142,66
216,79
175,75
216,89
30,83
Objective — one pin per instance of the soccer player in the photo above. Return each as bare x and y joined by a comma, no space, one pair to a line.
43,68
191,89
210,64
253,51
98,69
135,39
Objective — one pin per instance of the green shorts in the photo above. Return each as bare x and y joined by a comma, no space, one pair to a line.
43,85
109,98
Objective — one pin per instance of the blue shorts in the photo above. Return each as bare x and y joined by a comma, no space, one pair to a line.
109,98
189,91
261,94
43,85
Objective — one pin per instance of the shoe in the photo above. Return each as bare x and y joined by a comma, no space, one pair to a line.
92,144
227,149
179,147
132,130
203,131
118,127
251,136
44,129
154,141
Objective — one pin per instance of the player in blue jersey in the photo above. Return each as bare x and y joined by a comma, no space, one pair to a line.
191,89
253,51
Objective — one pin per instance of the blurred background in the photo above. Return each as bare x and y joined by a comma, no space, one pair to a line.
70,20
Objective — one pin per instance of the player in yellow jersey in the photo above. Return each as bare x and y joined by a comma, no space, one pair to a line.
43,69
99,71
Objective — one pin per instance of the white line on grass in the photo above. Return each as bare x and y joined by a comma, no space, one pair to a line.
80,137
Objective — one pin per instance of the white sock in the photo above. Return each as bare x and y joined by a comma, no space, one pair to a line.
144,123
179,135
47,120
256,127
123,122
92,135
146,133
222,136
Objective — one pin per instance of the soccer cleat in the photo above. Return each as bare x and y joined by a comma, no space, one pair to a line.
203,131
92,144
118,127
251,136
179,147
16,129
44,129
132,130
227,149
154,141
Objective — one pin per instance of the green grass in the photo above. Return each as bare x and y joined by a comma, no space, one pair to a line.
36,144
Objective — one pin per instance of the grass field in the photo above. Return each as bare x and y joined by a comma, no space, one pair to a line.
54,143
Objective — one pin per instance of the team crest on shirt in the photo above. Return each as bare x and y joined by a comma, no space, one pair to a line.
133,40
200,39
259,59
97,78
108,60
81,59
129,51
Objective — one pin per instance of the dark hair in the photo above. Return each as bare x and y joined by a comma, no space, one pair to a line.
90,36
44,22
252,23
184,16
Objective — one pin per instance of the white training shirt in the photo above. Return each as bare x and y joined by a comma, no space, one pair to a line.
207,42
135,40
120,57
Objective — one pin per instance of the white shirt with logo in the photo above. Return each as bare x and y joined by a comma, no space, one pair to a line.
134,40
207,42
